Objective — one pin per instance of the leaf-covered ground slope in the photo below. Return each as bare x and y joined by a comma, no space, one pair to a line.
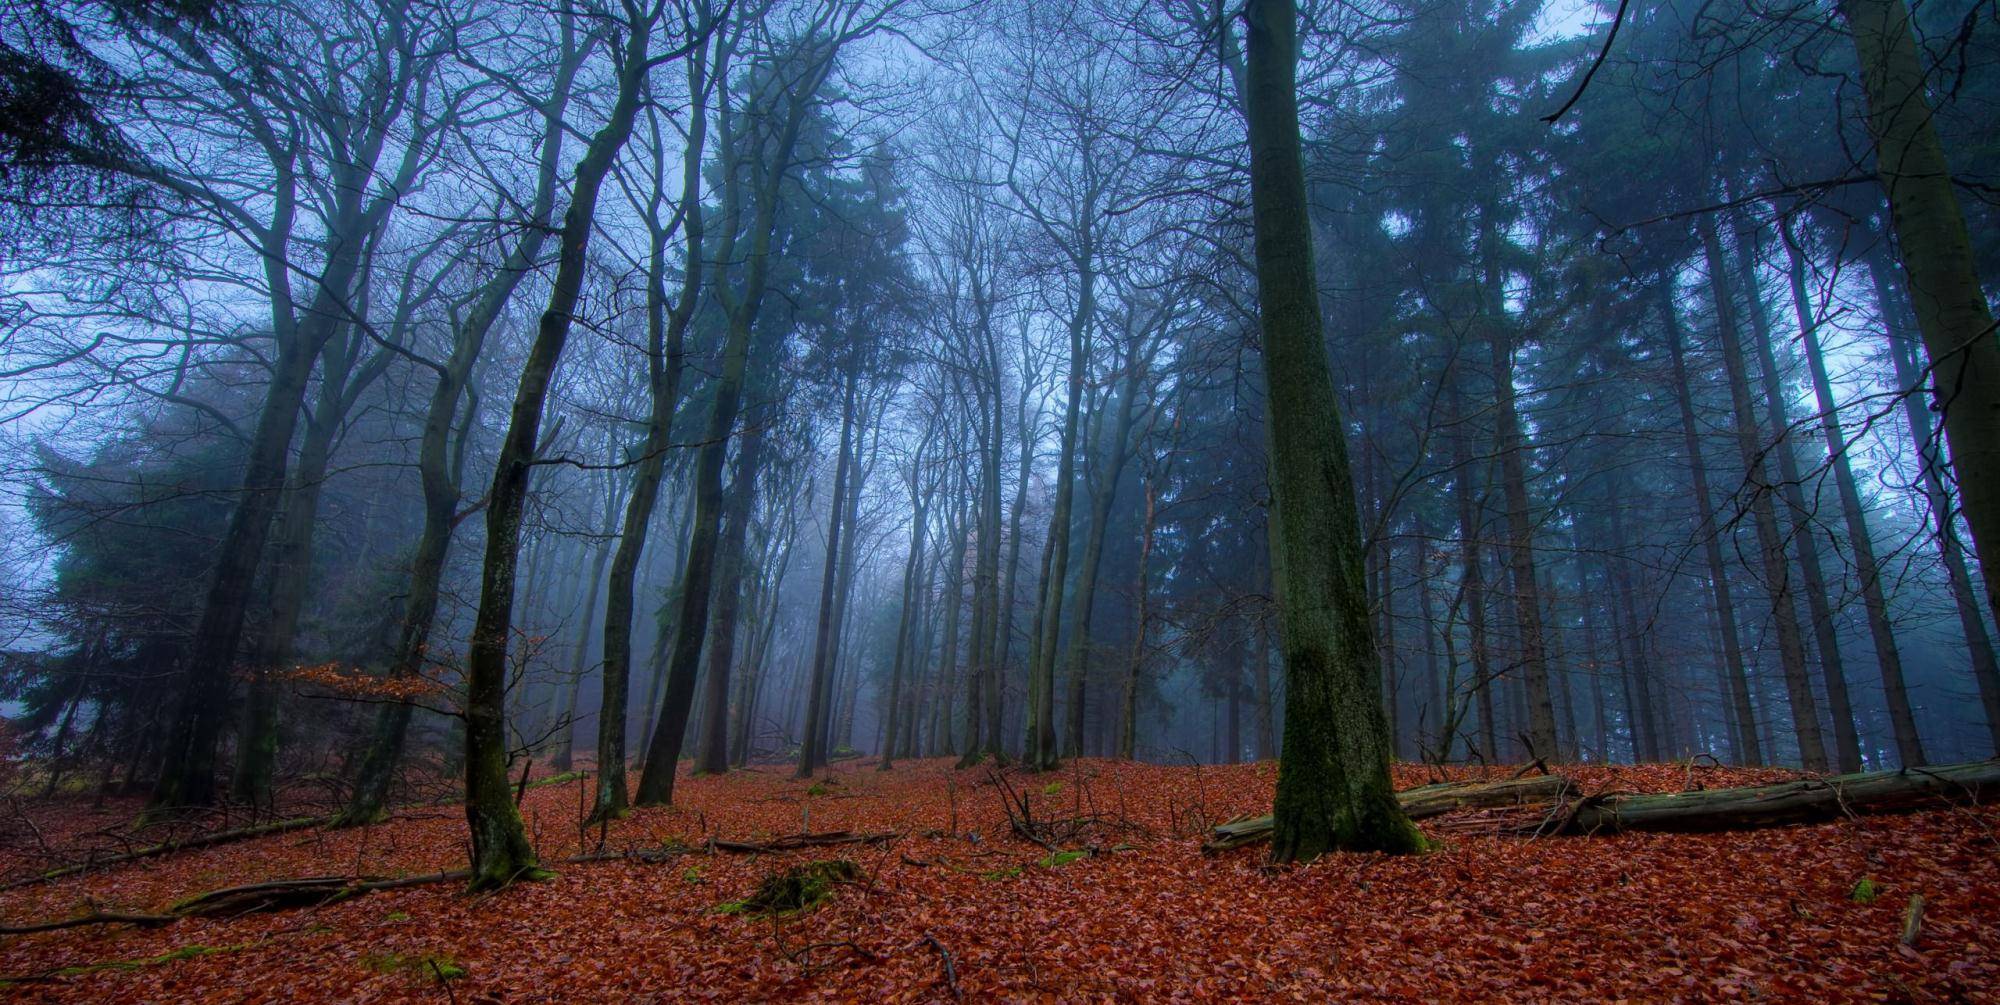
959,905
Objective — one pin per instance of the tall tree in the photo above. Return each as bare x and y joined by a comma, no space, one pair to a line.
1334,791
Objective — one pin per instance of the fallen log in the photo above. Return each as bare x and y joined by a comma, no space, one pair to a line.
1419,803
310,891
96,916
791,842
1811,800
319,891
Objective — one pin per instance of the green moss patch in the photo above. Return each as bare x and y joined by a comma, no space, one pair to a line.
439,967
796,889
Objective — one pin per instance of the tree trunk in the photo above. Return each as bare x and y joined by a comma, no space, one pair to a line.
1846,741
1636,669
1736,682
579,666
1971,622
1942,277
906,616
1041,754
1472,579
666,360
1135,662
187,773
1818,800
290,577
1770,544
1333,789
712,747
1512,444
826,635
1113,455
1003,641
1909,745
500,849
1420,803
656,782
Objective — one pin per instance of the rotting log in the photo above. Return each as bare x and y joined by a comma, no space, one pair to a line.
319,891
1418,803
311,891
95,916
794,841
1812,800
1805,801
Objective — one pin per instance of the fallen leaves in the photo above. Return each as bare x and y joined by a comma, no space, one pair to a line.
961,905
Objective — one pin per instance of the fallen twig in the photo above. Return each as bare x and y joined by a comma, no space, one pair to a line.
168,847
950,970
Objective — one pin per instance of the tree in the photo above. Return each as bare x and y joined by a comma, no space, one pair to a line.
501,853
1943,281
1333,776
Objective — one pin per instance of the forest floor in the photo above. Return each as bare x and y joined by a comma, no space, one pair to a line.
959,907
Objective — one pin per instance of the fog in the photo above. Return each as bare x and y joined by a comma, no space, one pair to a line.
393,391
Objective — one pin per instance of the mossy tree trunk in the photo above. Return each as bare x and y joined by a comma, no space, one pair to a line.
1971,621
1333,791
501,852
1943,279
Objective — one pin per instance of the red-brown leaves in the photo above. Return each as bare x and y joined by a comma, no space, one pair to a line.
1763,915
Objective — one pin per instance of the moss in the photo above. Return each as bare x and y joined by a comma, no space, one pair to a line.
439,967
1865,891
693,876
182,953
398,916
1053,788
565,777
796,889
1010,872
1056,860
818,789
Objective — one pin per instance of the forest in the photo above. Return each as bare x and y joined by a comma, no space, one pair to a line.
1022,500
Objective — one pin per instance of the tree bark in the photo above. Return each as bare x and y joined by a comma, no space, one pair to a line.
666,359
1971,621
1846,740
1520,538
826,635
501,852
1333,789
1736,682
1770,545
1896,694
1817,800
1942,277
712,748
